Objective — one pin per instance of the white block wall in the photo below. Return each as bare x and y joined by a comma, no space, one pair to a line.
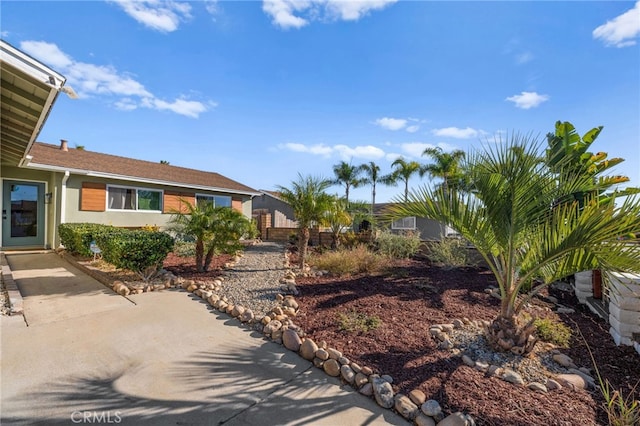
624,307
583,285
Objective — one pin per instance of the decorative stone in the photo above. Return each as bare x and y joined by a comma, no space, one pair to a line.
247,316
318,362
237,311
291,340
322,354
457,419
457,323
229,309
266,319
481,366
382,392
192,287
331,367
564,360
494,370
355,367
405,407
417,396
424,420
538,387
344,360
553,384
387,378
361,380
334,353
367,389
347,374
587,378
512,377
447,328
272,326
308,349
367,371
446,345
276,335
431,408
290,302
468,361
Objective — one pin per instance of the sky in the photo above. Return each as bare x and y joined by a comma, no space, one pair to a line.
263,91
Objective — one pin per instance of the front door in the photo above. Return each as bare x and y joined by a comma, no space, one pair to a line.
22,213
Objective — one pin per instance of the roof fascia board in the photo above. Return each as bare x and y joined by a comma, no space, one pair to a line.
29,65
137,179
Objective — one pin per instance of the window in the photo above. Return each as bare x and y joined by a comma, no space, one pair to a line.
216,200
404,223
119,198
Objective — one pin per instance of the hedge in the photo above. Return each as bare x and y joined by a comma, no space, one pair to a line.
77,237
140,251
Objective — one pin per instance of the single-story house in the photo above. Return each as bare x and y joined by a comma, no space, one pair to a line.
44,185
429,229
269,202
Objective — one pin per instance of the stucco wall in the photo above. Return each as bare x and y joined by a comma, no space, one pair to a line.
124,218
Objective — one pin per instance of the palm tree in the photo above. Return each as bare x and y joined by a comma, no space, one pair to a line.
309,202
348,175
338,219
372,171
403,171
523,234
446,165
214,229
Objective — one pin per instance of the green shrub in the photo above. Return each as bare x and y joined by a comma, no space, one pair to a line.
185,248
139,251
398,246
349,261
553,331
77,237
450,252
357,322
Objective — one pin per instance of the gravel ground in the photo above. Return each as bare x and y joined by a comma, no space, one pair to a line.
4,299
254,280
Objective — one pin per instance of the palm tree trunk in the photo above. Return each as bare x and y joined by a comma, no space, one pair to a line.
303,243
208,258
199,255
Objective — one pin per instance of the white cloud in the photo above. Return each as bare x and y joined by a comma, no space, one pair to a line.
160,15
391,123
368,152
47,52
621,30
4,34
456,132
104,80
212,7
413,129
527,100
415,149
298,13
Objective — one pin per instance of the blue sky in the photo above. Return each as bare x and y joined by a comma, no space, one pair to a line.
262,91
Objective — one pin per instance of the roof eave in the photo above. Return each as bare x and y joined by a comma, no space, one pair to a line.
104,175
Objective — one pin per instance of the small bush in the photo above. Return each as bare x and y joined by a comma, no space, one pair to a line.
450,252
349,261
77,237
398,246
139,251
553,331
357,322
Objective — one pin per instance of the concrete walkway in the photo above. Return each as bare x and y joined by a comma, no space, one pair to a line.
165,359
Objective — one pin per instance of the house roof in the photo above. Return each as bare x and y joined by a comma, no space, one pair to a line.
80,161
273,194
28,89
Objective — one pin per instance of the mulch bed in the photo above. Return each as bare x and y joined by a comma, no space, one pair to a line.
414,296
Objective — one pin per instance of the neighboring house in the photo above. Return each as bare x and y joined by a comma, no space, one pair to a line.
429,229
44,185
269,202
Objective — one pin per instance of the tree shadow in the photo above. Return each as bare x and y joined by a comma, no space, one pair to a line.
231,386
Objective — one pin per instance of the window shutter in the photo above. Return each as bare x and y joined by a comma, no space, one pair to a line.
174,200
93,196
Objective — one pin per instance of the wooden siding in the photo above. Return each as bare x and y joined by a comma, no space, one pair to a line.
236,204
174,200
93,197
